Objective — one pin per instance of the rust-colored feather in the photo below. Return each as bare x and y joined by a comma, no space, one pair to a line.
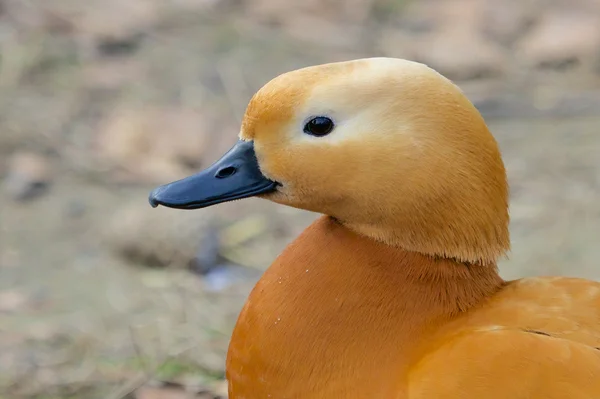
339,315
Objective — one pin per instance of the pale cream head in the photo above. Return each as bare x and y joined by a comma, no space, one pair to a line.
410,161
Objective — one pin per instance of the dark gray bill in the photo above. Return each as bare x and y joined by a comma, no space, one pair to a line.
236,175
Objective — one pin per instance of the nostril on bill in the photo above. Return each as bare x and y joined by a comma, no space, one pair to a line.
226,172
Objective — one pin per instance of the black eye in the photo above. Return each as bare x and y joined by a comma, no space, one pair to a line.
319,126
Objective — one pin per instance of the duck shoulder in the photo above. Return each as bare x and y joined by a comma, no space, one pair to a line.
536,338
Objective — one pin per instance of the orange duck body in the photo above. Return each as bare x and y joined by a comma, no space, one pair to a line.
395,292
331,319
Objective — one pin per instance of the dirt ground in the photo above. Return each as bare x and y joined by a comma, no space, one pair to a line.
103,297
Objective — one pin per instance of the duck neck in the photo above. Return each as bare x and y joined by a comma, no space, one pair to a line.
339,302
480,243
448,283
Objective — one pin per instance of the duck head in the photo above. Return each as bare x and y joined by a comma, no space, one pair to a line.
388,147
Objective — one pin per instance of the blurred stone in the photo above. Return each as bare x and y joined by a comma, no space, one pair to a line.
22,14
441,15
506,21
12,301
194,5
266,11
169,392
465,13
562,39
113,73
396,43
155,279
119,46
111,19
161,237
9,257
221,389
335,23
155,237
43,331
153,144
462,54
75,209
29,175
316,29
278,11
452,44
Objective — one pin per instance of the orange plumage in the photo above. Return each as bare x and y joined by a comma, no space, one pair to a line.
394,293
342,316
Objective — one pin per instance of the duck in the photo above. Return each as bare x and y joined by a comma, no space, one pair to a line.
393,292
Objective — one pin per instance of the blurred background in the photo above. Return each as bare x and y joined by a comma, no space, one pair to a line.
100,100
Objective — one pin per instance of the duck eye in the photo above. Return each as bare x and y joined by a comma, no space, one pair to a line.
319,126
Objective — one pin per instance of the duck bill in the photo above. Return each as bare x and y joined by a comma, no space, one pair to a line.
235,176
